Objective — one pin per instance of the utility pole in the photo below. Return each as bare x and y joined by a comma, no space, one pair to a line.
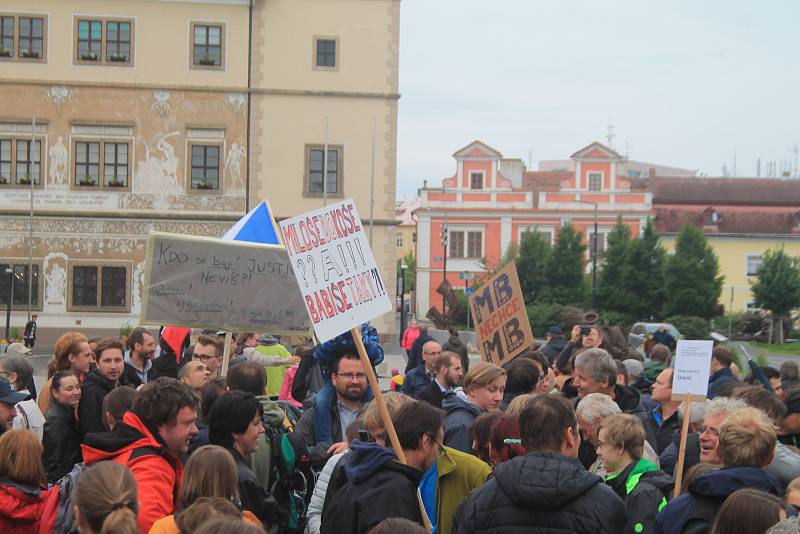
444,258
30,217
610,135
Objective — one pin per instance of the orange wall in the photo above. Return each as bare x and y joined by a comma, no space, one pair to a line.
587,167
469,166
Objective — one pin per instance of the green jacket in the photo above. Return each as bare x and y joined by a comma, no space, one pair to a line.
261,460
645,490
458,473
274,374
653,368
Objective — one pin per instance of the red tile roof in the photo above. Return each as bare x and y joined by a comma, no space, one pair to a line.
713,191
732,221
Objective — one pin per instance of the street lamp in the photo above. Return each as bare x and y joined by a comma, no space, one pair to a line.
10,273
444,268
403,318
594,255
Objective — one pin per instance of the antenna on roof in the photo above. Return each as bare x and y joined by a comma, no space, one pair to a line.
795,149
758,168
610,135
627,151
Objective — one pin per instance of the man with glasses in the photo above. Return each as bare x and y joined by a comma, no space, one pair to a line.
423,374
208,350
349,380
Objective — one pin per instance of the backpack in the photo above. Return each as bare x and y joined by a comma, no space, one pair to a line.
291,478
57,516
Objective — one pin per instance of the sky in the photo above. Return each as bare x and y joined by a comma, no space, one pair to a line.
685,83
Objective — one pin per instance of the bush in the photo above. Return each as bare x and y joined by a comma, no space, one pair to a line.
125,330
543,316
612,318
691,327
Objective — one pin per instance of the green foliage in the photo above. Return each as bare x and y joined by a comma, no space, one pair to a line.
690,326
460,315
613,318
125,330
542,316
532,259
691,278
512,253
777,288
786,348
411,270
644,275
564,269
611,293
14,333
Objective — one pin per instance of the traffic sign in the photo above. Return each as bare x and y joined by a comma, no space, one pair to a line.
468,291
466,276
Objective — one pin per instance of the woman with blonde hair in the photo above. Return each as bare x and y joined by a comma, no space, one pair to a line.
23,490
71,353
210,472
484,386
106,500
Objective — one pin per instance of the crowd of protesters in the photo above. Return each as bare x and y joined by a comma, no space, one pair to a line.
580,434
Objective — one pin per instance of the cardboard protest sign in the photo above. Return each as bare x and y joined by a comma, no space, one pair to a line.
500,318
340,282
691,369
203,282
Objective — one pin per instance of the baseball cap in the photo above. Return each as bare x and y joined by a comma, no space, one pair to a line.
554,331
634,367
8,395
18,348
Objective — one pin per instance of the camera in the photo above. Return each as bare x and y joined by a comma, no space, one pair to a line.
585,329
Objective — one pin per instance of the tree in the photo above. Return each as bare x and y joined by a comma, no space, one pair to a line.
643,277
531,260
411,271
611,292
691,278
777,288
564,269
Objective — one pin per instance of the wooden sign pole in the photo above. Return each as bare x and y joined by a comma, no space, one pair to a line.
384,412
687,403
226,353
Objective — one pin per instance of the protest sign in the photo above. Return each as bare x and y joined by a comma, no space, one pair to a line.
340,282
500,318
689,382
691,369
203,282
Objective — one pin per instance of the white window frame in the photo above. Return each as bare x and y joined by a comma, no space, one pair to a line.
465,230
399,240
747,258
589,175
550,230
750,306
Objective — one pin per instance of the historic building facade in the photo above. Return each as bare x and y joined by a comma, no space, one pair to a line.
142,111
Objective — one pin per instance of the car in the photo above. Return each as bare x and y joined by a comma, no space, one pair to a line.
640,331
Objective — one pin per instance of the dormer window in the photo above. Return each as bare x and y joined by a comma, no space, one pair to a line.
595,181
476,180
710,217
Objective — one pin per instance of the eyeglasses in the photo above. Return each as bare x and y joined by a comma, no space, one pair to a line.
711,431
351,376
205,357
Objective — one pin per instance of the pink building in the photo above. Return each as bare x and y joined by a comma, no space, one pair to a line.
491,201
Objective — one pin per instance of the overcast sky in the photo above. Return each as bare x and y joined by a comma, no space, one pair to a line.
686,83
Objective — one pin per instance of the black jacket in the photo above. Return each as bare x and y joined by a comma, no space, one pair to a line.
415,357
660,436
378,487
669,457
252,495
432,394
542,492
61,441
454,344
644,489
132,376
553,347
90,410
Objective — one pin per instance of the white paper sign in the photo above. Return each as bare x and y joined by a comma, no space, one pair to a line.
341,284
691,369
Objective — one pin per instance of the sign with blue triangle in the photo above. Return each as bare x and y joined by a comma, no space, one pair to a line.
258,226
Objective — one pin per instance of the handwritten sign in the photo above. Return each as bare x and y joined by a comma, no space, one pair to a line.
501,320
341,284
210,283
691,369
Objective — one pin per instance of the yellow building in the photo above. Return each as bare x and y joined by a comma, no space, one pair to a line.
142,112
406,240
742,219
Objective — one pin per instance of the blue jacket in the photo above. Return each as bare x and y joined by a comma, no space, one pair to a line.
416,380
697,509
460,416
723,376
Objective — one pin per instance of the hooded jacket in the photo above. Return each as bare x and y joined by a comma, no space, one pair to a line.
61,441
553,348
457,474
378,487
459,417
90,410
21,507
454,344
158,472
720,377
695,511
644,489
542,492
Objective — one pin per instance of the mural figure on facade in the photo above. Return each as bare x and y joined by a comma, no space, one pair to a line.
59,163
233,166
158,173
56,285
161,103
